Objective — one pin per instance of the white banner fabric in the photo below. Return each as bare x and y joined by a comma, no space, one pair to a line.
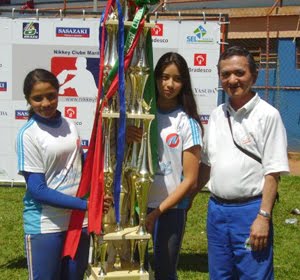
69,48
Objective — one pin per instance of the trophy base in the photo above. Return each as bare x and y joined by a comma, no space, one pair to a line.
128,270
130,274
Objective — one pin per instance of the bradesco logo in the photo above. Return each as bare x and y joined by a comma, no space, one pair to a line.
3,86
200,36
158,30
21,114
200,59
30,30
71,112
77,32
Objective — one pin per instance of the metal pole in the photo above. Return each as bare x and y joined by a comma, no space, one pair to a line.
95,6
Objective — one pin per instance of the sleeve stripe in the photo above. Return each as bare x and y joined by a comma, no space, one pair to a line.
195,131
20,146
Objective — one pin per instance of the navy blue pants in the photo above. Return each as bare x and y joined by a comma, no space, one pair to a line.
229,256
167,238
44,258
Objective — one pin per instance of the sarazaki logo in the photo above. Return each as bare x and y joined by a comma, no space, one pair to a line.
204,119
21,114
84,143
200,59
71,112
158,30
78,32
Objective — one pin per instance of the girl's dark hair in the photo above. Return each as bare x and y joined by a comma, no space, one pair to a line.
35,76
186,97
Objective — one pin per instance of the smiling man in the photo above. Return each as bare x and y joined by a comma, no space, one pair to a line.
245,151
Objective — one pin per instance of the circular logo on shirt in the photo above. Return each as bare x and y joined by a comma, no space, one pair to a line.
172,140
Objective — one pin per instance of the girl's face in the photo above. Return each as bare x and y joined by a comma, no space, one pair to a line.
44,100
170,83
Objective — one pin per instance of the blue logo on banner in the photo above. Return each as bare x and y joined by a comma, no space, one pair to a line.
21,114
30,30
204,119
200,36
72,32
84,143
3,86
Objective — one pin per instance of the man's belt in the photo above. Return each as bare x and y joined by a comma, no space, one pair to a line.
235,200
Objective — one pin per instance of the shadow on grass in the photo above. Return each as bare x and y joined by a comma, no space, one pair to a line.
16,263
190,262
193,262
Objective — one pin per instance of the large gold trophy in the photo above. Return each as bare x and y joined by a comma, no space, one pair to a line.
115,247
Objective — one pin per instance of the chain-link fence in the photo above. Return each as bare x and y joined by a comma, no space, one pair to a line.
279,79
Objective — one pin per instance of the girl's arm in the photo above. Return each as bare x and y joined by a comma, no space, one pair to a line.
38,189
191,159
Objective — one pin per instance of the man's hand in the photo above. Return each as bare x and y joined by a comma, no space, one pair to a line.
259,233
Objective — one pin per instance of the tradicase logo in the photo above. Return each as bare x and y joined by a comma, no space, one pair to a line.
71,112
172,140
30,30
77,32
200,59
200,36
3,86
158,30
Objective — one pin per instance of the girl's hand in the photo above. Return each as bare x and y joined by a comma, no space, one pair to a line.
108,200
134,134
151,219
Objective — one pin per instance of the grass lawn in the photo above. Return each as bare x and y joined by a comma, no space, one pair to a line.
193,260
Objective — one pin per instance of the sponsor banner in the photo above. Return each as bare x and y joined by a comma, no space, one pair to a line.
197,42
8,168
69,48
55,31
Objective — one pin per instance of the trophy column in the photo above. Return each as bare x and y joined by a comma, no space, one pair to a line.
114,249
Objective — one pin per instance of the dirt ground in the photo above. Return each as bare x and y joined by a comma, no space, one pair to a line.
294,163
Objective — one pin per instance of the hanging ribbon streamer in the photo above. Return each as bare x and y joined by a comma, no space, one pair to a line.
92,181
77,217
122,119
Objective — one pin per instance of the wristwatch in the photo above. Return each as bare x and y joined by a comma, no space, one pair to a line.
264,214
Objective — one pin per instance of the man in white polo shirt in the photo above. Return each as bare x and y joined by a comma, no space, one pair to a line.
244,153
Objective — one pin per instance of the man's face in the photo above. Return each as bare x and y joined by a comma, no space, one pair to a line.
236,78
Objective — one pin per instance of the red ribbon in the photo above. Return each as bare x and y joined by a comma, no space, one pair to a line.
93,168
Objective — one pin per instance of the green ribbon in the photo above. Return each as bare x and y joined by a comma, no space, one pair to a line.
129,40
145,2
